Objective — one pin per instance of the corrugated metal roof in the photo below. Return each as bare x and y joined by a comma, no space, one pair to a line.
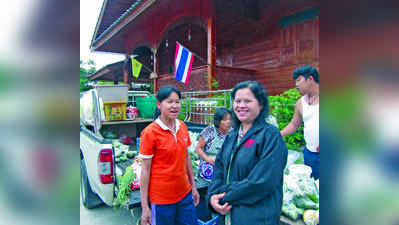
110,10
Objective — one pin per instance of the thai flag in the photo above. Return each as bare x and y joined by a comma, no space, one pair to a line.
183,62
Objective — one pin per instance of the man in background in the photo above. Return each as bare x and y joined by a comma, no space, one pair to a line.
307,111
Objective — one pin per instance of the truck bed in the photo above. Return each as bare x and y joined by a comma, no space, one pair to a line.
127,121
135,200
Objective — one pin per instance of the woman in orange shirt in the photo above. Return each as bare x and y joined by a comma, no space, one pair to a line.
167,178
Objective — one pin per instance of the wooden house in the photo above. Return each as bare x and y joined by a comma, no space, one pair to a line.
263,40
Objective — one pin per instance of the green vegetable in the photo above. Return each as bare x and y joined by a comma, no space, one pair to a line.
292,211
305,202
123,158
131,154
108,134
124,186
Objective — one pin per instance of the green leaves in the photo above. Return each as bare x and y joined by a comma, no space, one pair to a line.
124,186
84,82
283,107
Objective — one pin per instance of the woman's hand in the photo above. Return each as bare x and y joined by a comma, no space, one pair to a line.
146,216
196,196
222,209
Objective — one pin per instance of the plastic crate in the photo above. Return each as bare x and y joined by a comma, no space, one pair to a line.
113,93
146,106
115,111
213,221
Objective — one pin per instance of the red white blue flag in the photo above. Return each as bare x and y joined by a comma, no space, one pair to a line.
183,62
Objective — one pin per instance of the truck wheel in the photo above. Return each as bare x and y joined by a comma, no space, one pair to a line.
89,198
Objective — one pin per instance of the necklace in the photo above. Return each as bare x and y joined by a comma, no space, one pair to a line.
173,127
240,133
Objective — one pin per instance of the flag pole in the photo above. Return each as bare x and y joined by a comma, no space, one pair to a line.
198,56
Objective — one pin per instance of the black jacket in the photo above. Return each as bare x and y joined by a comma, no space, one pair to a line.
255,189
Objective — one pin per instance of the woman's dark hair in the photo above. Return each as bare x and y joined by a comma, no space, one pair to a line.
219,115
306,71
260,94
162,94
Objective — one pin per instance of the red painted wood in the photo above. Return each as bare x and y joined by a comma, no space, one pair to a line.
269,52
211,44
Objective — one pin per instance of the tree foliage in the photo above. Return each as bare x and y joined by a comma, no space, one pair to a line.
283,108
86,68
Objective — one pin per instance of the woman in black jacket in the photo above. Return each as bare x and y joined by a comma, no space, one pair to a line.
247,184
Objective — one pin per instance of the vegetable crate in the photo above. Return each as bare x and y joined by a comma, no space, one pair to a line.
112,93
115,110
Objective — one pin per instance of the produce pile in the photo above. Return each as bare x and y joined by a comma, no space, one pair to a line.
129,180
122,152
195,160
301,192
124,183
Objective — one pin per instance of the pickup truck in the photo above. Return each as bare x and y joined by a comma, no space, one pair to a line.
99,167
99,164
97,154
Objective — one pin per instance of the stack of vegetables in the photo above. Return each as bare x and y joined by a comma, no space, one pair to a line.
195,160
122,152
301,193
124,183
129,181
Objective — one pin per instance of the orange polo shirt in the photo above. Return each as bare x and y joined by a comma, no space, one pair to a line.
168,176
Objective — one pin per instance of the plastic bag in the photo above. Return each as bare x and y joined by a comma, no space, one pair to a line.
87,108
126,140
292,211
289,208
311,217
305,202
299,188
292,157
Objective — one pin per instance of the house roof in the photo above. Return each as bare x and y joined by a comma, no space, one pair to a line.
118,18
115,13
114,72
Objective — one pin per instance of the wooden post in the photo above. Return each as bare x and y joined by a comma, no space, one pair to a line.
125,72
154,51
211,31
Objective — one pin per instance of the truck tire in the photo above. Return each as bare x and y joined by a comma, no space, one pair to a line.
89,198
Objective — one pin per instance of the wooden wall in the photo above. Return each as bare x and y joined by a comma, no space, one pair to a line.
263,46
198,80
269,50
197,44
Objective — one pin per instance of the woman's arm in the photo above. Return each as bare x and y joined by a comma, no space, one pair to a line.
144,181
190,175
199,148
216,187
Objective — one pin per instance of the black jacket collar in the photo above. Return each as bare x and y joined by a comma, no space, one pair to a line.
258,124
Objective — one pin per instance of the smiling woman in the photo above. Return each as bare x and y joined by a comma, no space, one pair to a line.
248,171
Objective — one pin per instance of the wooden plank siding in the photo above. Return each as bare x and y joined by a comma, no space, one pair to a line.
227,77
264,47
197,45
261,50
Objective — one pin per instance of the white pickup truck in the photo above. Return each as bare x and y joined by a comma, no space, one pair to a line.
97,153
